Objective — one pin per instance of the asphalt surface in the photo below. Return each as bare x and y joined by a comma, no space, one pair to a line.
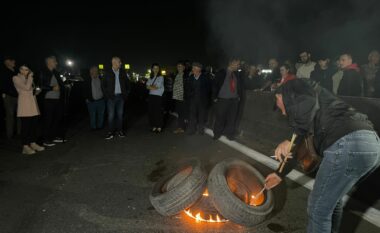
92,185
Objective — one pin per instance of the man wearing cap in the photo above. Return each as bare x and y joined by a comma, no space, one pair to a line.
343,137
9,95
227,91
199,95
322,74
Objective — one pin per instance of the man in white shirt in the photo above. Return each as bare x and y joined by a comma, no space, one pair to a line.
306,66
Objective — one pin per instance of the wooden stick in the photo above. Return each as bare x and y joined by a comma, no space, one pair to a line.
282,164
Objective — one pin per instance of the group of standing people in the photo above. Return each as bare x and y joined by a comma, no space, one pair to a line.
23,96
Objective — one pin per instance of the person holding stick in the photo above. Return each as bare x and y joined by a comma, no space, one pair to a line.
343,137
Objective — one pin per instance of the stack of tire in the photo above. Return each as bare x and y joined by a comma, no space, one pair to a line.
185,186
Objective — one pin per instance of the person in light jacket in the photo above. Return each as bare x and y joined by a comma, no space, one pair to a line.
27,110
156,88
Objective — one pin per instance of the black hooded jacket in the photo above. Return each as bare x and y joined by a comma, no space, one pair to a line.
312,109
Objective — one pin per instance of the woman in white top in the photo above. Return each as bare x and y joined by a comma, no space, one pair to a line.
155,85
27,110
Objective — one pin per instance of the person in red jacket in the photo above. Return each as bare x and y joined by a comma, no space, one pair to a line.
352,81
286,76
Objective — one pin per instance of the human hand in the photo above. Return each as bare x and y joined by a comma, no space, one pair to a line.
282,150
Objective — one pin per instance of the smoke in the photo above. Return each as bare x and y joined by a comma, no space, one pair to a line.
260,29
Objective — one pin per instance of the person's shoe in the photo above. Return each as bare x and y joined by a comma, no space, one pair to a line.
154,130
37,147
159,130
26,150
121,134
178,131
48,143
109,136
59,140
231,138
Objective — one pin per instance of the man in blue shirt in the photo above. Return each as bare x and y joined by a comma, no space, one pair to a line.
116,88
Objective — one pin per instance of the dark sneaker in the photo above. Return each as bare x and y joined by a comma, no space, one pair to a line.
121,134
59,140
48,143
109,136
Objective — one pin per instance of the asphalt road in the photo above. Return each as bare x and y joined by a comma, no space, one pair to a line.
92,185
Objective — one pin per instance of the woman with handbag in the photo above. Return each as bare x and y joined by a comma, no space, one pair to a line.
27,110
156,88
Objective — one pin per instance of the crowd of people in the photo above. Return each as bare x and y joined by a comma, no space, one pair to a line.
193,93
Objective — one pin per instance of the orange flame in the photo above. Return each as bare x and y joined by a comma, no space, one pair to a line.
198,217
205,194
257,200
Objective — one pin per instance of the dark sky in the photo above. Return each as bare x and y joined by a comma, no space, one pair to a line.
143,32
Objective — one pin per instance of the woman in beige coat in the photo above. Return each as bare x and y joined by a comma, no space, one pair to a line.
27,110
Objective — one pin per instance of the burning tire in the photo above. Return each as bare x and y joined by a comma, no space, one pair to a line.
232,185
179,190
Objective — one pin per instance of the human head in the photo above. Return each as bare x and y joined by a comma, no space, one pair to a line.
305,57
197,68
234,64
24,70
181,67
116,63
94,72
272,63
10,62
345,60
51,62
323,62
374,57
156,70
284,70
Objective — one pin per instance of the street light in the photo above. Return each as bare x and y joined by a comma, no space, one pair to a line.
101,66
127,66
69,62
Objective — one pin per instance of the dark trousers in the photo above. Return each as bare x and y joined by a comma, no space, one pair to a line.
96,109
28,129
180,108
198,111
52,119
155,111
225,117
10,107
115,105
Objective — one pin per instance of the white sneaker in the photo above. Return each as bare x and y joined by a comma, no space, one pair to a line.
37,147
26,150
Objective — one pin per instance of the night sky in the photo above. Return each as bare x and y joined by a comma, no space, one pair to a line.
143,32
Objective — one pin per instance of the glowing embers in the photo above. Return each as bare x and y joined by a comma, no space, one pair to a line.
246,186
204,211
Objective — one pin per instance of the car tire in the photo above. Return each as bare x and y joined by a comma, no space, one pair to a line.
229,205
179,190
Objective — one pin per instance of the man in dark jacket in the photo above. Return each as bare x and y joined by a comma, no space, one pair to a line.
199,96
9,95
322,74
346,140
116,89
94,98
53,91
352,81
227,91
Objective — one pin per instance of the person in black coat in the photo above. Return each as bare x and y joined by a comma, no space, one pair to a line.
342,136
322,74
227,92
116,89
199,96
352,81
94,97
52,95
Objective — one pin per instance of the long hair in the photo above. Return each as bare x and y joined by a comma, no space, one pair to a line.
151,70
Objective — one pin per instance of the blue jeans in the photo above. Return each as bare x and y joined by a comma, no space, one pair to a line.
96,109
350,158
115,105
